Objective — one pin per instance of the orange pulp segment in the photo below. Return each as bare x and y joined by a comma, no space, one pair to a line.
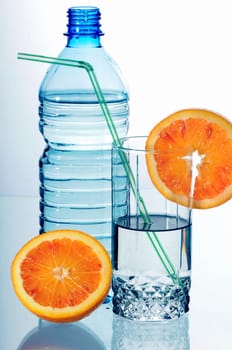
62,275
184,133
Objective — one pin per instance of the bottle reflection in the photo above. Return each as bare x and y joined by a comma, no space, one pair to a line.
133,335
49,336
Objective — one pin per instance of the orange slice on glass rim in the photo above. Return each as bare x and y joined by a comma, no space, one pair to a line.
61,275
198,132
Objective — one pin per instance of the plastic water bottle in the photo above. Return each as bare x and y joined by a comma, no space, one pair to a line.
75,169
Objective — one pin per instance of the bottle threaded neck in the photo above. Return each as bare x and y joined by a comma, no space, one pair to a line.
84,21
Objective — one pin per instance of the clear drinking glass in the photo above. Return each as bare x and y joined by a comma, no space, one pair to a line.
151,244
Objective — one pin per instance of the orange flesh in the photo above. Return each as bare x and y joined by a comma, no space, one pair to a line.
60,273
214,146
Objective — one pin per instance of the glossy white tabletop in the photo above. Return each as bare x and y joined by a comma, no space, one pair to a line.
208,325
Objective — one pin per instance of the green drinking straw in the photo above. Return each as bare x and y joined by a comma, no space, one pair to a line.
97,89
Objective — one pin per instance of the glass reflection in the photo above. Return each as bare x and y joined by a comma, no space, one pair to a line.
49,336
134,335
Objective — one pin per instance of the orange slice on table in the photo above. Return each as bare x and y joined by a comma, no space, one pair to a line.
62,275
198,132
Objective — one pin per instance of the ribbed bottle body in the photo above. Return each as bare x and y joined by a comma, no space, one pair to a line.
75,169
73,120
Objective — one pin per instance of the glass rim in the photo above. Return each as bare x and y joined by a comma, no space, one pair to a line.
123,147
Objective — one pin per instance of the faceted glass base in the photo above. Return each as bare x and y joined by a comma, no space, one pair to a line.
149,301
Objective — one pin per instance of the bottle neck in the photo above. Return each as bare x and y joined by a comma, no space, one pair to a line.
84,27
83,41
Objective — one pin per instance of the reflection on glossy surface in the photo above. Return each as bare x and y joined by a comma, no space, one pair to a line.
135,335
52,336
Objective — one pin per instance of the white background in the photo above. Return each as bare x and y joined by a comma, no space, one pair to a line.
174,54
